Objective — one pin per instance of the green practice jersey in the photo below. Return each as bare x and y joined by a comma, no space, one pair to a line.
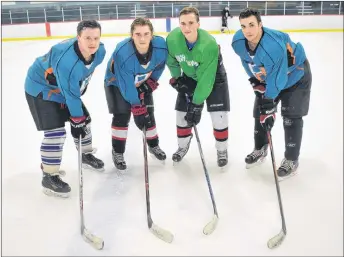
200,63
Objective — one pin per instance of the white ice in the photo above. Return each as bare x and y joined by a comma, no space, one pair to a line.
115,207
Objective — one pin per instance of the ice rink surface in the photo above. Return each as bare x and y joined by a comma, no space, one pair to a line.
115,208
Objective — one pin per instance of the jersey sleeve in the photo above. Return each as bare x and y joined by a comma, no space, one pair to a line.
206,73
70,88
172,63
276,76
125,81
247,68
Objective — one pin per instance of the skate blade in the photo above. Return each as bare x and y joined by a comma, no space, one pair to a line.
122,170
257,163
176,163
89,167
223,168
50,192
292,174
154,157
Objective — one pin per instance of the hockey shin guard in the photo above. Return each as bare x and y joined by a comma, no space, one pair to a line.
293,136
220,125
260,138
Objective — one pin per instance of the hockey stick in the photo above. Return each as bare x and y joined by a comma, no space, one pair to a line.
211,226
277,239
155,229
90,238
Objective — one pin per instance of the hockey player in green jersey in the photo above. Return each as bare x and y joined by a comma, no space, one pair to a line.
198,74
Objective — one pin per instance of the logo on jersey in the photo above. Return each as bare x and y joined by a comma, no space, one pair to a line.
84,83
140,78
182,58
258,72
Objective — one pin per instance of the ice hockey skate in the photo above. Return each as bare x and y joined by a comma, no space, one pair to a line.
287,169
257,157
222,158
157,153
54,186
118,161
90,162
181,152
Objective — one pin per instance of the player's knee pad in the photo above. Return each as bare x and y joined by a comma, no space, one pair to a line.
121,120
220,125
292,123
219,120
55,136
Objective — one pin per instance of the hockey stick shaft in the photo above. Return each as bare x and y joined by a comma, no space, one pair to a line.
149,217
284,228
156,230
205,171
81,186
95,241
204,165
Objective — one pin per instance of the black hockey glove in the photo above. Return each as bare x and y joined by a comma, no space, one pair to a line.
78,126
258,87
147,87
184,85
194,112
267,113
141,116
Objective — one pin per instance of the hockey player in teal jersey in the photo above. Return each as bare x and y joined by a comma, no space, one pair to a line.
53,88
132,73
278,70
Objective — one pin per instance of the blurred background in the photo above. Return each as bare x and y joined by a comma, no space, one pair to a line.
40,12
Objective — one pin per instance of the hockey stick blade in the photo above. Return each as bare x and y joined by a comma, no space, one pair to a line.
276,240
161,233
210,227
95,241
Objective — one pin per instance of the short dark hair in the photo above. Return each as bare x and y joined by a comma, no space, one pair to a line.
141,22
249,12
93,24
190,9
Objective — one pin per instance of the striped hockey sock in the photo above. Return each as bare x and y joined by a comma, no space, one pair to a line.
51,149
86,142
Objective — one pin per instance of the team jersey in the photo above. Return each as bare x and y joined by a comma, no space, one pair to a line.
62,75
199,63
276,61
127,69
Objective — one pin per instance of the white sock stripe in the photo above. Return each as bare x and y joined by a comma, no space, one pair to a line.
54,141
57,154
151,133
183,141
119,133
219,120
221,145
180,119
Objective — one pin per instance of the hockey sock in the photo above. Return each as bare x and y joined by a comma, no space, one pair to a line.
293,136
220,125
183,130
86,142
119,129
51,149
260,137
